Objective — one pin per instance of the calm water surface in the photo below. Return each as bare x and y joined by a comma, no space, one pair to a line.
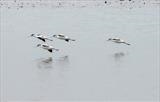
90,68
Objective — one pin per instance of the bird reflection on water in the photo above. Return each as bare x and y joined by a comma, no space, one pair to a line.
48,60
63,61
118,56
45,63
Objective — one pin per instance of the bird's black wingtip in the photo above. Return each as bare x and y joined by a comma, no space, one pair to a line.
50,50
67,40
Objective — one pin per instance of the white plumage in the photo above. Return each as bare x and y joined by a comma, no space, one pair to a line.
118,40
41,37
63,37
47,47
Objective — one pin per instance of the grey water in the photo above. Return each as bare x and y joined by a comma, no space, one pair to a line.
89,69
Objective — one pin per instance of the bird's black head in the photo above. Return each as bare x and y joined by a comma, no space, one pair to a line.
32,34
109,39
38,45
54,35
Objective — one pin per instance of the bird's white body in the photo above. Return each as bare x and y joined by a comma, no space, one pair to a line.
41,37
118,40
47,47
63,37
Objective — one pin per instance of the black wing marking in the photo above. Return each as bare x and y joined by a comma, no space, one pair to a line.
67,40
42,39
116,39
50,50
61,35
46,46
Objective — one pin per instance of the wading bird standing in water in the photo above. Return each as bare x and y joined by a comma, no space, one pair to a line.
63,37
118,40
47,47
41,37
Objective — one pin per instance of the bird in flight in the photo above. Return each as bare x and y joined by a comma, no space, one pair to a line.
41,37
47,47
118,40
63,37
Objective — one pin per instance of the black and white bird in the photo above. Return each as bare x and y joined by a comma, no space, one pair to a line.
118,40
63,37
47,47
41,37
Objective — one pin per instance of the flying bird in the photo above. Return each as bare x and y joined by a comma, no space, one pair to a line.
47,47
41,37
118,40
63,37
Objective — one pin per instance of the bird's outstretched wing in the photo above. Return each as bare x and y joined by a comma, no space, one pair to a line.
61,35
49,39
72,39
55,49
127,43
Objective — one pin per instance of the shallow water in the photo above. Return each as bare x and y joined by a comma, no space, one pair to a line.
90,68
